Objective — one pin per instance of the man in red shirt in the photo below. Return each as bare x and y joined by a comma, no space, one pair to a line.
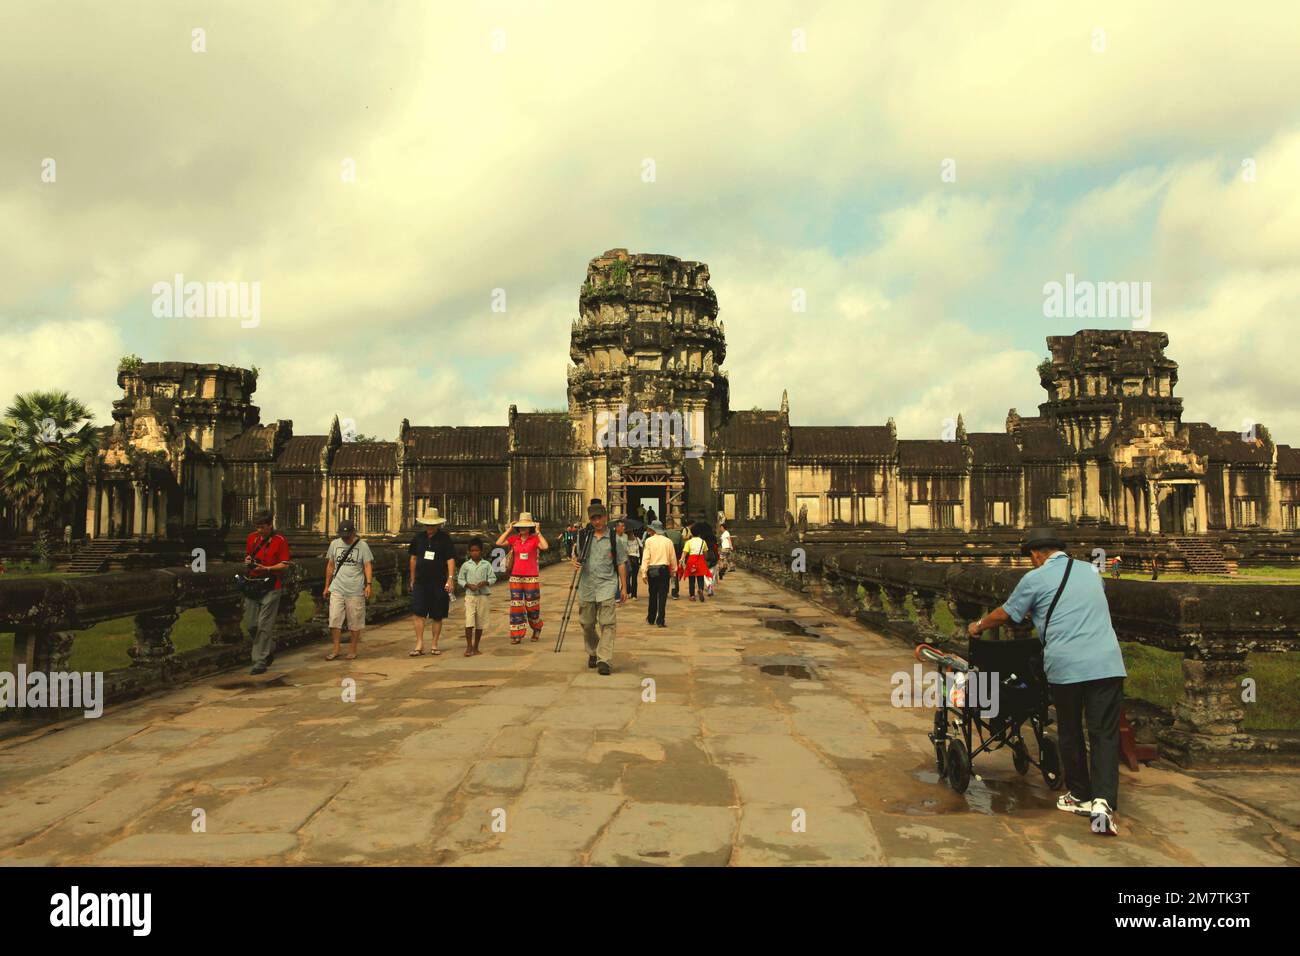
525,589
266,556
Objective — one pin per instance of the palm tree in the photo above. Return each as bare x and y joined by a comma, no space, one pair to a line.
45,439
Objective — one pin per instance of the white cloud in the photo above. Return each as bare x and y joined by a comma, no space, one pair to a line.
79,356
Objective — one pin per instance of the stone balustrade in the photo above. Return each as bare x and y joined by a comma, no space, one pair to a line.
1214,627
46,614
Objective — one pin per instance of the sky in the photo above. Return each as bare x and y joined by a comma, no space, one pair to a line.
918,170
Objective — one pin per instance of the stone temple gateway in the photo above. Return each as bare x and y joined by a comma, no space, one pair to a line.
188,455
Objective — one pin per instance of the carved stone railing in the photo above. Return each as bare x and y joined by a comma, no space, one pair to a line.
46,615
1214,627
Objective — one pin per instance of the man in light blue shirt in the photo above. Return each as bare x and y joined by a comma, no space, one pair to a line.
1084,667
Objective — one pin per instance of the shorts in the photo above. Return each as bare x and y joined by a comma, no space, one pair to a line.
349,608
476,611
429,599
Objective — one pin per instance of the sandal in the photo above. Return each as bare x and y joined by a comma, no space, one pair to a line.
332,657
436,653
516,640
469,652
350,657
418,652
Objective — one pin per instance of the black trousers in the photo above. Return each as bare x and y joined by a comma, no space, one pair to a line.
1095,775
633,566
654,613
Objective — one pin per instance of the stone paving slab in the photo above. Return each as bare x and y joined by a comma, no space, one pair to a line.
689,754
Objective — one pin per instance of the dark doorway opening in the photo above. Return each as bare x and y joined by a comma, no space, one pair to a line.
654,498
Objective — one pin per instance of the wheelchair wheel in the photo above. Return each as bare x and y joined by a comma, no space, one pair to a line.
1049,762
958,766
940,735
1020,756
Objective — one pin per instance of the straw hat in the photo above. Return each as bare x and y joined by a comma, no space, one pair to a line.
525,521
431,516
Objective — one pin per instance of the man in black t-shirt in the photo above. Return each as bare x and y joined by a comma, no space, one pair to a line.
431,577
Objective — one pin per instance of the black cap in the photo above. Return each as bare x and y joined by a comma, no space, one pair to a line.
347,527
1038,539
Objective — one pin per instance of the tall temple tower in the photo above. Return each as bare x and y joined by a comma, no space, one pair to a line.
647,343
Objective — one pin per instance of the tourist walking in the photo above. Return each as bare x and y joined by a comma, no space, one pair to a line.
633,543
266,558
526,542
601,563
349,572
1084,666
432,570
675,537
726,550
658,567
476,578
696,566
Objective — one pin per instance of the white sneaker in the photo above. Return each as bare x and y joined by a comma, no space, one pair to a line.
1071,804
1103,819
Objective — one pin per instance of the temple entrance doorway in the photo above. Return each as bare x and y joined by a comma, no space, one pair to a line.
1177,506
660,487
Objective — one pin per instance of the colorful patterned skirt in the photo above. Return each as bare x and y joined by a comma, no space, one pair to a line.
525,604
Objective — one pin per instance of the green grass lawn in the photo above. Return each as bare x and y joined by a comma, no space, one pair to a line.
104,646
1260,575
1157,676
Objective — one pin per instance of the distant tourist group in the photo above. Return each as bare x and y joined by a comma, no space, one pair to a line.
609,566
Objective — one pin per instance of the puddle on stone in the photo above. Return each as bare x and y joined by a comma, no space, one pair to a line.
795,629
770,607
983,796
797,671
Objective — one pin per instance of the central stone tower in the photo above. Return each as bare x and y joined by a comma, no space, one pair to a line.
647,341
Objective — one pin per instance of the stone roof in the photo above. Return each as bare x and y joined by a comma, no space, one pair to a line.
365,458
1041,442
485,444
840,442
545,433
994,449
254,444
301,453
1227,446
1288,462
931,454
750,433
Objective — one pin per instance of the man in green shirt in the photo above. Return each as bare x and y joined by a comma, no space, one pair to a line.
602,586
674,534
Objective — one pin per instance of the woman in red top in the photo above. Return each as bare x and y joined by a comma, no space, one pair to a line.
525,589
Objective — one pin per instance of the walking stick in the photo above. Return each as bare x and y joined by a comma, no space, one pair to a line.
568,609
573,590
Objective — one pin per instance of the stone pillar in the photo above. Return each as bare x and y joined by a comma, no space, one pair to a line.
153,642
140,518
227,616
1272,518
1022,511
965,503
1208,720
286,616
